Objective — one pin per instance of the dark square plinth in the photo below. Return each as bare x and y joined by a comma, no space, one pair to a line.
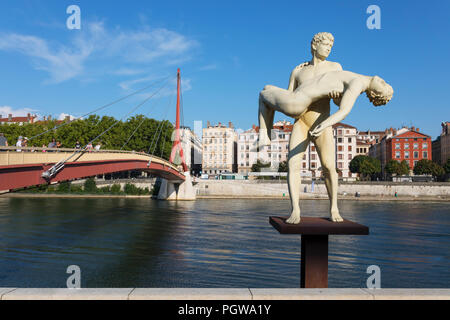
314,245
318,226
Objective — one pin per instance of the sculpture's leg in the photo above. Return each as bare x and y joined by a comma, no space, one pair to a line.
265,117
297,146
326,150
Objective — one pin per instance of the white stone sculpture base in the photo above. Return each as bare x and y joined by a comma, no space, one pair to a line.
176,190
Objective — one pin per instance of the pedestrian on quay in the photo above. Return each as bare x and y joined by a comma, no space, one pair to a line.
52,144
58,144
98,146
19,143
89,147
44,147
3,140
78,145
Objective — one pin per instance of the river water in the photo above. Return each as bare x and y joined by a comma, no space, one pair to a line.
213,243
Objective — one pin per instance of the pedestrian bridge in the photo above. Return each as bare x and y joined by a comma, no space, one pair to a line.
25,168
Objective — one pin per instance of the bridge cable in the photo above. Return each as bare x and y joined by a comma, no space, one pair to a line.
60,165
102,107
158,133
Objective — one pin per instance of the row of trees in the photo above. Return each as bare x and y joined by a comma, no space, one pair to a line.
370,168
85,130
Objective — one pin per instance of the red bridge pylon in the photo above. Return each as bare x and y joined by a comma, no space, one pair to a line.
177,155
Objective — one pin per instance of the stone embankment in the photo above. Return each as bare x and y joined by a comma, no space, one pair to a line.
347,190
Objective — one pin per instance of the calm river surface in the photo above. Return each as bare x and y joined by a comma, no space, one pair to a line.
213,243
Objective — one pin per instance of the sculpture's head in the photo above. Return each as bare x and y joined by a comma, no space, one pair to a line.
379,92
321,45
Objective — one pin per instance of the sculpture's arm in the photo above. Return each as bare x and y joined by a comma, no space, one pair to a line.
349,97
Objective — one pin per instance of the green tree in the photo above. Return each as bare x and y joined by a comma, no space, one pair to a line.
426,166
403,168
392,167
365,166
258,165
283,167
447,166
90,186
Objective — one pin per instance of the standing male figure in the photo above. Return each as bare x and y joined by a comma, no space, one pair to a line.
321,45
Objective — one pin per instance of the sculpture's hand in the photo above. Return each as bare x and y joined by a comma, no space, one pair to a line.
304,64
336,96
317,131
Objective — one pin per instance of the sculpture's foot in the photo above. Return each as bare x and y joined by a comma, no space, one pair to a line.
294,218
335,216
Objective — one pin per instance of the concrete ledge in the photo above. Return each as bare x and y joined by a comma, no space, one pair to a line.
190,294
409,294
67,294
310,294
222,294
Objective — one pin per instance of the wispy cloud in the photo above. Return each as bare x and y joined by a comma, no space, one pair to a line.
7,110
138,48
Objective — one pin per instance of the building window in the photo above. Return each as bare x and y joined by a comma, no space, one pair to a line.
397,146
313,148
339,148
339,140
304,165
313,165
397,154
340,165
416,154
349,140
416,146
340,156
339,132
425,154
415,162
406,146
349,148
313,157
406,154
350,157
425,145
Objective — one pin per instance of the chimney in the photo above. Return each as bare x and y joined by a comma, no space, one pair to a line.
413,129
220,124
208,124
253,127
417,129
230,125
28,116
10,117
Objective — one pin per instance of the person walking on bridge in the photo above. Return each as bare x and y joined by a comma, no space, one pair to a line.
3,140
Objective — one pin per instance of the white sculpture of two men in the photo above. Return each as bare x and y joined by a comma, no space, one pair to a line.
307,100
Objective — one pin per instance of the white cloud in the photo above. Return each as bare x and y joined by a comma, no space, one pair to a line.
94,42
7,110
63,116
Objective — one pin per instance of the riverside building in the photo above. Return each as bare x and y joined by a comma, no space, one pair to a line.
219,149
192,149
407,144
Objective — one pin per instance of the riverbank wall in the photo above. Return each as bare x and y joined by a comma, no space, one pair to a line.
279,189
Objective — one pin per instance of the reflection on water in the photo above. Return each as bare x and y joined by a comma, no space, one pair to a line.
213,243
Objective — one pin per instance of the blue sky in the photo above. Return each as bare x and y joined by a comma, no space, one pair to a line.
227,52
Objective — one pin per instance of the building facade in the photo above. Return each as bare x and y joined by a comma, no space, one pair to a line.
405,144
18,120
445,142
192,150
219,149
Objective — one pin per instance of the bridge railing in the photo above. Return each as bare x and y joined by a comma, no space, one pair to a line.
25,155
